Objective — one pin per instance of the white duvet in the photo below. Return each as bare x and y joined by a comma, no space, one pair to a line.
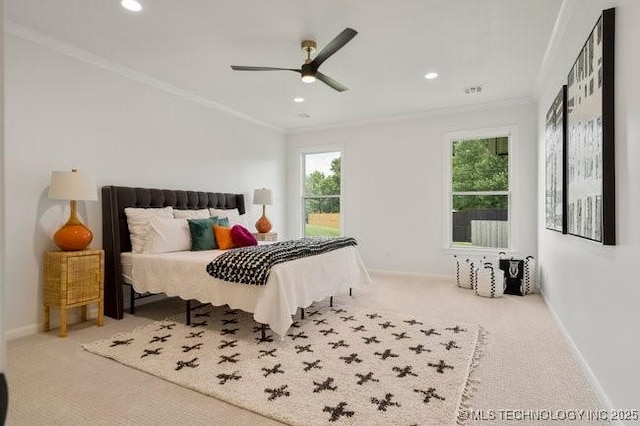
293,284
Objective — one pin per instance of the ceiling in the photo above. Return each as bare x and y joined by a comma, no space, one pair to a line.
190,44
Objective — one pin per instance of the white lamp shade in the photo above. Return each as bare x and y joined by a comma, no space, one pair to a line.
262,196
73,186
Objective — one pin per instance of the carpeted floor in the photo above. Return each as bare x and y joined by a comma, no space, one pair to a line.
338,364
526,365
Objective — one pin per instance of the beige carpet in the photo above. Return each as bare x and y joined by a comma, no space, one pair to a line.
526,365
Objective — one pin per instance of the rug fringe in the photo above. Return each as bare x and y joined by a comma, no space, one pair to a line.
471,387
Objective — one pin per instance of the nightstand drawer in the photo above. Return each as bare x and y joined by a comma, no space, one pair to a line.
83,279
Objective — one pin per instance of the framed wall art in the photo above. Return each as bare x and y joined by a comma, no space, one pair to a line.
555,143
590,174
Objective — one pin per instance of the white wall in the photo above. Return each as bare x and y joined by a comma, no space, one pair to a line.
393,176
62,113
2,238
594,289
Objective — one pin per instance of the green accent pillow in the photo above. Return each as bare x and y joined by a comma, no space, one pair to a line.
202,234
221,221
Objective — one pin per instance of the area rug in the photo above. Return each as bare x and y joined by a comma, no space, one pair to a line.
338,365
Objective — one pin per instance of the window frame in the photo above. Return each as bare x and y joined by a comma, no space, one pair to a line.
302,153
510,132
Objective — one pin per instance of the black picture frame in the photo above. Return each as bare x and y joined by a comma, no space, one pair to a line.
590,206
555,163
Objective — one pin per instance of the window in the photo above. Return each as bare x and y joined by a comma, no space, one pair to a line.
322,189
478,195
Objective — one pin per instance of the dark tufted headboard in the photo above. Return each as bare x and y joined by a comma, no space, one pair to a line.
115,232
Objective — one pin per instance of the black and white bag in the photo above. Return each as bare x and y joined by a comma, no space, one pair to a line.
529,282
489,281
464,273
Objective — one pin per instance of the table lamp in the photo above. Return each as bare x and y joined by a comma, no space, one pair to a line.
73,186
262,196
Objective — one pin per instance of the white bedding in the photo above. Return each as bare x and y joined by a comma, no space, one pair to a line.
290,285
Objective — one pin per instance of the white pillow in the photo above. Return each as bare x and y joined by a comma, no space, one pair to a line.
191,214
233,215
138,223
167,235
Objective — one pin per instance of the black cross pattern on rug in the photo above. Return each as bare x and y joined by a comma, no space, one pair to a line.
419,349
160,338
229,358
428,394
294,325
386,325
326,385
278,392
313,313
337,411
166,327
227,344
120,342
228,331
457,329
400,336
412,321
338,311
320,321
405,371
305,348
199,324
384,403
204,314
229,321
369,340
186,348
148,352
194,334
364,378
373,316
440,366
351,358
386,354
224,378
230,313
274,370
338,344
347,319
451,344
359,328
182,364
312,365
430,332
271,353
264,339
328,331
301,335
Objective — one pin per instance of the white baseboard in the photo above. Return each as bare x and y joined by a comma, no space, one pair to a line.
17,333
593,380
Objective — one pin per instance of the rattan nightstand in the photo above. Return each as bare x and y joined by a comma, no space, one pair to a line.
266,236
72,279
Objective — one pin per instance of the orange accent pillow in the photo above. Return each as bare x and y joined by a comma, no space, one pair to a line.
223,237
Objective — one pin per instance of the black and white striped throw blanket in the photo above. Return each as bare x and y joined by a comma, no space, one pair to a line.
251,265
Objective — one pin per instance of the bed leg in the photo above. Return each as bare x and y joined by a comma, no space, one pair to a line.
263,331
301,313
331,301
350,294
132,301
188,312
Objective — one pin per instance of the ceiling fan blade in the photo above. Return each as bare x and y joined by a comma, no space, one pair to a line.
334,45
243,68
330,82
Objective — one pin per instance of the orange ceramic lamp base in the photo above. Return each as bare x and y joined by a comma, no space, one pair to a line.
263,225
73,235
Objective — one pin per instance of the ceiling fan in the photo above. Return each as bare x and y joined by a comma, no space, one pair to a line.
309,70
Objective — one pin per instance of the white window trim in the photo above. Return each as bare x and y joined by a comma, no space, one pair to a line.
449,138
319,149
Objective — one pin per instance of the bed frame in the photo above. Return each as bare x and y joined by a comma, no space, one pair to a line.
115,232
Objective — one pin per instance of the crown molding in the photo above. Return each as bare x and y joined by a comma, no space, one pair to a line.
507,103
58,46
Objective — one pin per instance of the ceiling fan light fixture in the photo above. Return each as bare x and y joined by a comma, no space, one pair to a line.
308,78
132,5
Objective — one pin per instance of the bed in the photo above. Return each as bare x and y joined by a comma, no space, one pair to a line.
291,285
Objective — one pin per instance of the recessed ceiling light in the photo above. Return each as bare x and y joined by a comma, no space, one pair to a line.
431,75
132,5
298,99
